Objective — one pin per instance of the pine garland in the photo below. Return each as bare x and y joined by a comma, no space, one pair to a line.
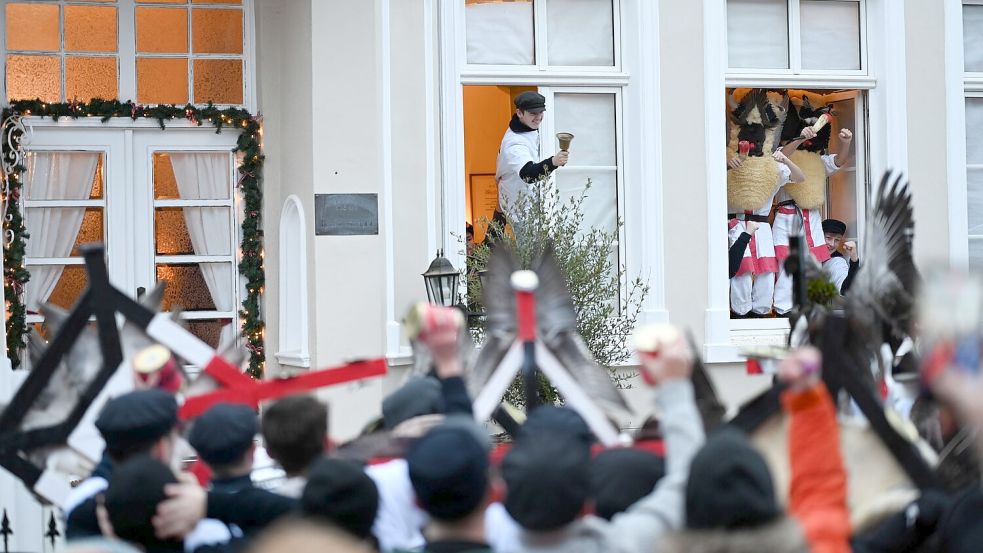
249,185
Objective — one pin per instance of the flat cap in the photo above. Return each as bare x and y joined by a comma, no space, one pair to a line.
531,101
419,396
222,434
547,481
449,470
340,492
137,417
833,226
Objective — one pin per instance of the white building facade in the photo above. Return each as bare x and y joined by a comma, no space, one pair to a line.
407,99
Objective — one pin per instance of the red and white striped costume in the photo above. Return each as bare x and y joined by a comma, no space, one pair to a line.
789,219
753,287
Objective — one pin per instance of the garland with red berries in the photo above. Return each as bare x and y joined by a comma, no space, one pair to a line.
249,184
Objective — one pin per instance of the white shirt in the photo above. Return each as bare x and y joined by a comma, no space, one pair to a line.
838,268
516,151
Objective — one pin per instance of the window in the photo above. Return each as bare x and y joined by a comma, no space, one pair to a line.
65,196
796,36
166,51
194,241
542,33
505,41
973,70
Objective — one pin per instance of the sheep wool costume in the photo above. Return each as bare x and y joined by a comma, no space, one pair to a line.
755,128
799,204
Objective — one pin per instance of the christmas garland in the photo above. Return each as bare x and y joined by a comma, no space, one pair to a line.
249,185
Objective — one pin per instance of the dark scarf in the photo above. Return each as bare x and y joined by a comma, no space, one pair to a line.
519,126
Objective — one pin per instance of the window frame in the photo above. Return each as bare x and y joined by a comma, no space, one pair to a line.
126,54
886,147
795,69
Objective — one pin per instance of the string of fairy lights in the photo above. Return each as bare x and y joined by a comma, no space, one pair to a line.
249,183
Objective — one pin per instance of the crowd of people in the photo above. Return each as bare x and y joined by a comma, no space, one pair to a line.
429,478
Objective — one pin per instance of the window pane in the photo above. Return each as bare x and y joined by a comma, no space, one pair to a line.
218,81
61,285
974,130
34,77
71,161
162,81
974,196
591,119
500,33
976,253
757,34
186,286
580,32
216,1
830,34
973,37
165,184
216,31
162,1
90,28
601,206
33,27
213,331
162,30
171,230
91,230
87,78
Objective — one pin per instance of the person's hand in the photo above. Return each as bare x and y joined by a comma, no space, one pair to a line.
808,133
672,361
846,135
800,370
185,506
779,157
850,248
962,391
750,227
561,158
735,162
441,333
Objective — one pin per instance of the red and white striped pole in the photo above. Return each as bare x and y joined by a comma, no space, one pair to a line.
525,284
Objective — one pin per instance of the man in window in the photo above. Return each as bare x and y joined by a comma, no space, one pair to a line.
807,133
841,272
517,168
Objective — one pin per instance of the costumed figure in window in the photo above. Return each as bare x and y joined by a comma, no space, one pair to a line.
756,171
806,135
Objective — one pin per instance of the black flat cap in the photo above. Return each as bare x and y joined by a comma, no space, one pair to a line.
448,467
137,417
531,101
547,481
222,434
551,420
419,396
340,492
833,226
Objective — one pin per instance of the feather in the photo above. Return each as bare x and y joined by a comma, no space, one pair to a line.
500,317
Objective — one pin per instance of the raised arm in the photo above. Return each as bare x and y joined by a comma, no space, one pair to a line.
666,371
795,174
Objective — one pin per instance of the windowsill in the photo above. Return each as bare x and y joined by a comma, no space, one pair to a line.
294,359
747,333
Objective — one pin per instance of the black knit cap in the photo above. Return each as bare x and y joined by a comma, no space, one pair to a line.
222,434
137,417
134,491
547,481
620,477
449,470
834,226
340,492
729,485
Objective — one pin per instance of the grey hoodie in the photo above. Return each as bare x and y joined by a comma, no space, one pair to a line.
639,528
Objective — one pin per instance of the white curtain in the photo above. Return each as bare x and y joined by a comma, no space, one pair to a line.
206,176
500,33
55,176
830,35
757,34
581,32
973,37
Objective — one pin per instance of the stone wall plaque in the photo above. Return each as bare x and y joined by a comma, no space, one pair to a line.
346,214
